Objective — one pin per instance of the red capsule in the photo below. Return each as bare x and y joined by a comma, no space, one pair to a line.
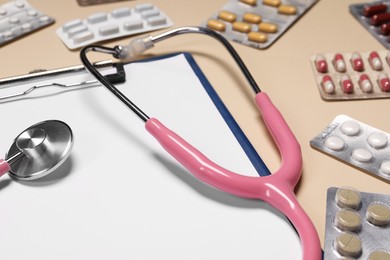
384,82
385,29
365,83
327,84
339,63
375,61
379,19
346,84
370,10
321,64
357,62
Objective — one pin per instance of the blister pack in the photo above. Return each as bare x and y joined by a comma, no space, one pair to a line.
257,23
118,23
375,17
18,18
352,76
95,2
357,144
357,225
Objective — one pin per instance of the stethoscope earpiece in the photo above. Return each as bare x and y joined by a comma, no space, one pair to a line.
38,150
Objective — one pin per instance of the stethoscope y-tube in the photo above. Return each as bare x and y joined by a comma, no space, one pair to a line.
276,189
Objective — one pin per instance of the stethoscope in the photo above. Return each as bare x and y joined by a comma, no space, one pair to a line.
276,189
38,150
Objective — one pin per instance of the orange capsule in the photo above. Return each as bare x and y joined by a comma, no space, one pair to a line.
216,25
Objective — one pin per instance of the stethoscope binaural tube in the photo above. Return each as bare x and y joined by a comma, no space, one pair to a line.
276,189
38,150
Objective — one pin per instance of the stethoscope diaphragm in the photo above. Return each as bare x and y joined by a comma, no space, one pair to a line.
39,150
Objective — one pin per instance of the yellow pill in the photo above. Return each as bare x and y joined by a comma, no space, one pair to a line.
216,25
242,27
378,214
227,16
268,27
348,244
379,255
257,37
287,9
348,198
272,2
249,2
252,18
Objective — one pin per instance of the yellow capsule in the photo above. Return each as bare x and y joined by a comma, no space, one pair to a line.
227,16
268,27
241,27
287,9
257,37
275,3
252,18
249,2
216,25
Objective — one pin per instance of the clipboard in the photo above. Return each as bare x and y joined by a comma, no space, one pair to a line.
121,196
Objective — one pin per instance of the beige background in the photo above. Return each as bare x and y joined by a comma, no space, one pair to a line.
283,71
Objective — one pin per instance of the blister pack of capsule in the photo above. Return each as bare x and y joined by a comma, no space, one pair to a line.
356,144
357,225
95,2
257,23
375,17
355,75
18,18
119,22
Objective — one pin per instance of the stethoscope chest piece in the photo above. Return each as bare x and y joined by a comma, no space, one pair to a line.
39,150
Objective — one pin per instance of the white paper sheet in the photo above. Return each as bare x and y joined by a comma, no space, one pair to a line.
120,195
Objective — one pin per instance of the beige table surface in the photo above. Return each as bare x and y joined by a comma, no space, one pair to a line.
283,71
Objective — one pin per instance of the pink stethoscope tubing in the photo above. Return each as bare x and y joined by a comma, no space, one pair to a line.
4,167
276,189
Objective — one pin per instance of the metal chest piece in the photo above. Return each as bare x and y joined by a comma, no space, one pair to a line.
40,149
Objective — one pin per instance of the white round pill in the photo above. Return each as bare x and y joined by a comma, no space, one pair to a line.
27,26
32,13
335,143
3,11
377,140
19,4
350,128
44,19
14,20
385,167
361,155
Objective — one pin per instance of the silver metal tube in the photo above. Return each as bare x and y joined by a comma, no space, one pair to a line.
14,157
174,32
217,36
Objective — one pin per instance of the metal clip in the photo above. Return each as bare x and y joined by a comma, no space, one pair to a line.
118,77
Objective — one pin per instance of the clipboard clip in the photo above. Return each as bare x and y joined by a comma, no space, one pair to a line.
114,78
